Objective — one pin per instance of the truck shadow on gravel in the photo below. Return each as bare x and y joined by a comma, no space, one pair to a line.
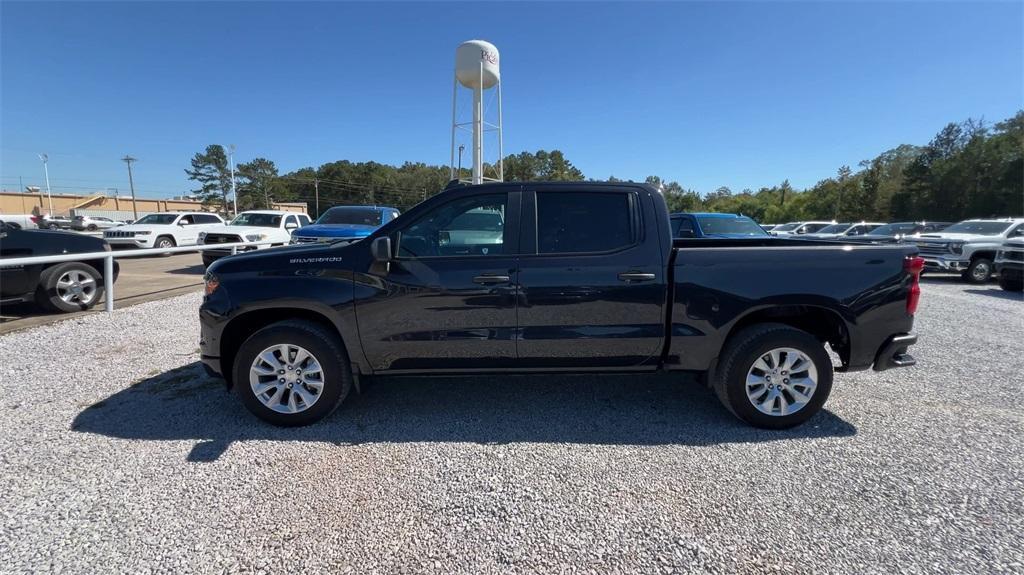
186,404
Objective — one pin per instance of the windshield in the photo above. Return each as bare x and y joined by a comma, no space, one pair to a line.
739,226
477,221
356,216
258,220
785,228
894,229
980,228
834,229
158,219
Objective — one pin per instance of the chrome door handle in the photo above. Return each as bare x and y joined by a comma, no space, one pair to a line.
487,279
636,277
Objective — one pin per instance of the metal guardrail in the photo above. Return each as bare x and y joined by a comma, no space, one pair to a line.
109,256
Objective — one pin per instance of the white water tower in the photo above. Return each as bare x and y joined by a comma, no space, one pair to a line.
476,68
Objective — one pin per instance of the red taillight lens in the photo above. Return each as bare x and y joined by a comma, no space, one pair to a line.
914,266
35,219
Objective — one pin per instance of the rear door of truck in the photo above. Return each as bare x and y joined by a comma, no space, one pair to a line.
591,278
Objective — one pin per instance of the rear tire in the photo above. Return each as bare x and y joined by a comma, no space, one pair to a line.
1011,283
757,396
266,396
208,261
979,272
68,287
92,227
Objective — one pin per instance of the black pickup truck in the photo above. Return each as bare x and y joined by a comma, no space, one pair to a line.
556,277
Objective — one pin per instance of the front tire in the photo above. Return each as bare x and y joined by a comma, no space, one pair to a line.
292,373
163,243
979,272
1009,283
773,376
68,287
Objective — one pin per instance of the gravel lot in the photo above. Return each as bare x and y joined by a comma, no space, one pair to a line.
121,456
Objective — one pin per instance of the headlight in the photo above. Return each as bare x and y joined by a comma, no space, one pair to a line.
202,236
211,283
142,233
255,237
957,248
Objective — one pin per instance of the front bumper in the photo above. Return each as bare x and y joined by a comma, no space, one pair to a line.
128,242
1010,267
945,263
894,352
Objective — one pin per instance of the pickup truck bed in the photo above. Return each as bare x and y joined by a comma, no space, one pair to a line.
544,277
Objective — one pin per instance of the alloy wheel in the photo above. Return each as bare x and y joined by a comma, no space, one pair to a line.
781,381
76,287
286,378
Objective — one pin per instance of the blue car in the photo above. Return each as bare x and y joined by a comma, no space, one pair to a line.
350,223
715,225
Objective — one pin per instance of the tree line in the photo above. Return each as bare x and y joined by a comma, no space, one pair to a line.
969,169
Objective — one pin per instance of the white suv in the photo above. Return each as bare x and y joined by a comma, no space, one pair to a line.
252,226
163,230
968,247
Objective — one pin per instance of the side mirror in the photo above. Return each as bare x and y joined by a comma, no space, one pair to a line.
182,223
685,234
380,249
801,231
290,226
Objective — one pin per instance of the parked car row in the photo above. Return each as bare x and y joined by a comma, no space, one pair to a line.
969,247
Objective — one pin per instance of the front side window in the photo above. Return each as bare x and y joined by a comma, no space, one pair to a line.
682,227
785,228
304,220
463,227
862,229
813,228
580,222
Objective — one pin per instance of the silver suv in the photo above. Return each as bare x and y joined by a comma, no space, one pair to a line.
968,247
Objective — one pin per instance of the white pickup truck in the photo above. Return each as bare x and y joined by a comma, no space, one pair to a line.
252,226
968,247
163,230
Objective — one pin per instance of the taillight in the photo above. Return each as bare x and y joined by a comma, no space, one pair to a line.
35,219
914,266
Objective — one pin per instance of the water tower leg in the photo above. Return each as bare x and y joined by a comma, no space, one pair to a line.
478,130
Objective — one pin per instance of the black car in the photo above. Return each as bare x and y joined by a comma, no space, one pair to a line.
896,231
580,277
63,286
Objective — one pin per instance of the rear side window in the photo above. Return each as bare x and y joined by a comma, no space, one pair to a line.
580,222
206,219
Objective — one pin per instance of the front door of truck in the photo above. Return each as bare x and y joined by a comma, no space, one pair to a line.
447,300
591,278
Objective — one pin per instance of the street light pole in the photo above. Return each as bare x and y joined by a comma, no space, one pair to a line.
231,159
462,148
316,186
128,160
46,170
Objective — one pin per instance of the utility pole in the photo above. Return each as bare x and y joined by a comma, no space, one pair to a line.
234,194
316,186
45,158
462,148
128,160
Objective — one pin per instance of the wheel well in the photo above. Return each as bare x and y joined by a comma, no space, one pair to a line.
168,236
986,255
241,327
822,323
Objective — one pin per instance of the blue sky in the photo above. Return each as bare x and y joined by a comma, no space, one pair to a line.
736,94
